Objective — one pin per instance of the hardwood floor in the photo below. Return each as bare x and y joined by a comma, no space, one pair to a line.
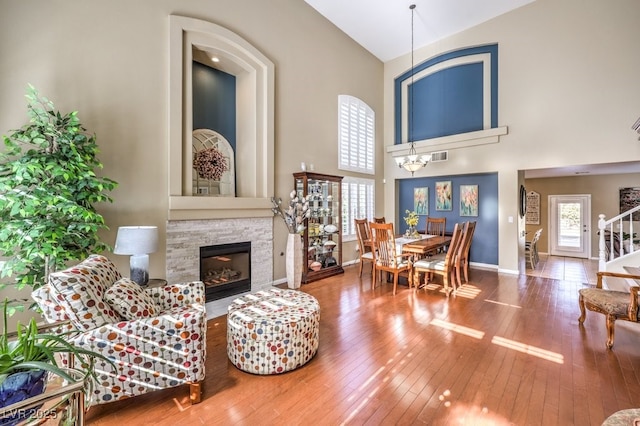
505,350
565,268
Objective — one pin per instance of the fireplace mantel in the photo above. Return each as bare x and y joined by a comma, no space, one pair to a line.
193,208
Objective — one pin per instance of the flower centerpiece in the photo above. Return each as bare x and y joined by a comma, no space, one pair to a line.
295,215
210,164
412,221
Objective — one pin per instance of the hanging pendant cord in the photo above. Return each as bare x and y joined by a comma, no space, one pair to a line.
412,7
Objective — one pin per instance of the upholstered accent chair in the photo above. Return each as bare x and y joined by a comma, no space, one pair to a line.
156,337
614,305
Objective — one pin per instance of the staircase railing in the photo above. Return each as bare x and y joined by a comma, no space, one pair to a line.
611,244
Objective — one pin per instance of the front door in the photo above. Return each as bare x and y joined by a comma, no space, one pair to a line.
569,222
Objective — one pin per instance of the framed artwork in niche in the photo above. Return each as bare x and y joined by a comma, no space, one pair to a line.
421,201
629,198
468,200
443,196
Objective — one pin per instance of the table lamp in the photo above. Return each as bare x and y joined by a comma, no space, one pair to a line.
137,241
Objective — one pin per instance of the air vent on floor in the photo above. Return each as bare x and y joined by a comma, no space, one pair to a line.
439,156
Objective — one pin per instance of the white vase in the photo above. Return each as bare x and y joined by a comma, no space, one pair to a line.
294,261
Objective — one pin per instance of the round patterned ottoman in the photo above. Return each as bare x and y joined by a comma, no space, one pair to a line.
273,331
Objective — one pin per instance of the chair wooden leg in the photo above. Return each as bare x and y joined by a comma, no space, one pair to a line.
374,274
583,312
395,283
445,282
611,322
360,273
466,272
195,392
458,279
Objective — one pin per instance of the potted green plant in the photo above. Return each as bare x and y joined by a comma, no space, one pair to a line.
26,359
48,189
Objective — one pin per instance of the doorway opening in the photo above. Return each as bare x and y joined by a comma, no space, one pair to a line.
570,225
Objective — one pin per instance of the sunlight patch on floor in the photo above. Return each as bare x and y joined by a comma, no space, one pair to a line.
528,349
468,291
476,334
502,303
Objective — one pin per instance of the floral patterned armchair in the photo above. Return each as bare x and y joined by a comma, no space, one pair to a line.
155,336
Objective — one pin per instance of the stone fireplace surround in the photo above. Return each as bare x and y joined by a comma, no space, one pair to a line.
185,237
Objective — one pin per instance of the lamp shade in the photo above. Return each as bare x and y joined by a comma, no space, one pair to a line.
134,240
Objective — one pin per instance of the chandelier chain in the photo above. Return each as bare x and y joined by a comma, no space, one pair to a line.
412,162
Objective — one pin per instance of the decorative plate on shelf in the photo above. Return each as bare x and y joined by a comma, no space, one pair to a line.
329,244
330,229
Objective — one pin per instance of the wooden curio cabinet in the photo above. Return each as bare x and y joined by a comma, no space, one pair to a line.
322,237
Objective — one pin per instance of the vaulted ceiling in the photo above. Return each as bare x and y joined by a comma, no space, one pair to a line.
383,27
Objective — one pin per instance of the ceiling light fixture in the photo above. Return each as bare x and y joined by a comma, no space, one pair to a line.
412,162
215,59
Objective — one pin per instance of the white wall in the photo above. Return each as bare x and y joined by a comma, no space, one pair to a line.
568,93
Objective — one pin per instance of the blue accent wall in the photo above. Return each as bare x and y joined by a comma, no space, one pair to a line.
448,101
484,247
214,101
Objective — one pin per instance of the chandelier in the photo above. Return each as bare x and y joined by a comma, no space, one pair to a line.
412,162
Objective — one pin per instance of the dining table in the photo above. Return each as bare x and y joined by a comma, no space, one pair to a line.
424,245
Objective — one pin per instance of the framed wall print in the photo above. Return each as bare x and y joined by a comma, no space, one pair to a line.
443,196
468,200
533,208
421,201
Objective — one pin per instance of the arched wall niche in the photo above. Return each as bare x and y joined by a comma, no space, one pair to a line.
190,39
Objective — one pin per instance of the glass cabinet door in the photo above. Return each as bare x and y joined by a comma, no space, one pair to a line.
322,235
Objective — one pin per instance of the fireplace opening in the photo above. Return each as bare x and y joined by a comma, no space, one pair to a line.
225,269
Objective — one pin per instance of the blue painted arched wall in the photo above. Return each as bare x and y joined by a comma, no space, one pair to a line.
448,94
214,101
484,248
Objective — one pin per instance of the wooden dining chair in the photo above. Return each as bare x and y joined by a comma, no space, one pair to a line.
379,219
385,255
436,226
531,250
364,242
462,258
441,264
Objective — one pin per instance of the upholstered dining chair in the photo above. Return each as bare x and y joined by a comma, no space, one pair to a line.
462,258
385,255
614,305
364,242
441,264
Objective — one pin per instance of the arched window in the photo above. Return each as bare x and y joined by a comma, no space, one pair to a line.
356,135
